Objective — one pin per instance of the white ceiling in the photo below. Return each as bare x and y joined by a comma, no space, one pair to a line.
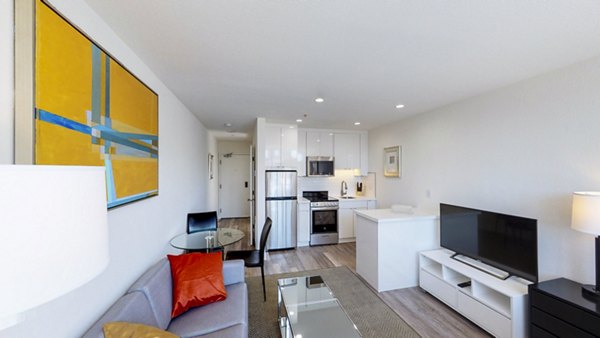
232,61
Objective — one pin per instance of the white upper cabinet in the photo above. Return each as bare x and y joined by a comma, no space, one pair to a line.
272,146
281,146
319,143
364,154
289,146
347,150
301,154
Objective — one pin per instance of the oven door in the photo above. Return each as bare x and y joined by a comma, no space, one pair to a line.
324,220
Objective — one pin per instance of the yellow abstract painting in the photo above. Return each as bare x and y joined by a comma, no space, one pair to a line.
90,110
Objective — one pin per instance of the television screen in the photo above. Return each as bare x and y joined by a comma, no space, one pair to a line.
503,241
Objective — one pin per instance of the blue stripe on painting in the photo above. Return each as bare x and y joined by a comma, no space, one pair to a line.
96,83
47,116
110,179
144,137
107,120
105,133
127,135
112,136
132,198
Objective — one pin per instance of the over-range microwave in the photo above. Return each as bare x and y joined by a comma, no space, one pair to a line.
319,166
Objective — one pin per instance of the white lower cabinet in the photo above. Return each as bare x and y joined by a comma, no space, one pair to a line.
497,306
483,316
303,222
372,204
346,226
437,287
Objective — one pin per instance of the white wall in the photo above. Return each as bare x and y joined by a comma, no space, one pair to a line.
522,150
139,232
259,143
236,147
333,185
6,82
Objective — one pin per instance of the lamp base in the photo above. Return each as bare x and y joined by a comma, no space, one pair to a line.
590,291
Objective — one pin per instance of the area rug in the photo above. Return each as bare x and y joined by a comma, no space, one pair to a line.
372,316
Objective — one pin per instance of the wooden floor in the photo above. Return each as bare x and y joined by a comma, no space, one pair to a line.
424,313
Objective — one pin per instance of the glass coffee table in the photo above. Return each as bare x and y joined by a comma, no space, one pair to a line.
307,308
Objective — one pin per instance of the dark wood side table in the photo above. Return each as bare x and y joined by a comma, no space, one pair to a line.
558,309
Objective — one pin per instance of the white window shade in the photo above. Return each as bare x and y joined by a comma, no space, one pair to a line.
54,233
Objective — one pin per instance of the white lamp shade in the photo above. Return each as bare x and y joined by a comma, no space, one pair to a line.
54,232
586,212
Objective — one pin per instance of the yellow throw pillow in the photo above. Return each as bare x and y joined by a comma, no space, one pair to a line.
134,330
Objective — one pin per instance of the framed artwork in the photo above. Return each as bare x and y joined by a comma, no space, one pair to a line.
392,161
90,110
210,165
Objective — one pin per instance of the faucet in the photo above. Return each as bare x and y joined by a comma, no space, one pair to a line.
344,188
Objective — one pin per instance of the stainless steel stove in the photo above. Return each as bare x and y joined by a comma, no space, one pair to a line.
323,217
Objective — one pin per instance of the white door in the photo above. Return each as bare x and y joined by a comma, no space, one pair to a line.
234,185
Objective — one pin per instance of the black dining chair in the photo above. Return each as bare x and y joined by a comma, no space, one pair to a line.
255,258
202,221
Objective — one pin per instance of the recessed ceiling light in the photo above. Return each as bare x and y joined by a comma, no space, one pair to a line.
357,123
299,120
228,124
319,99
400,106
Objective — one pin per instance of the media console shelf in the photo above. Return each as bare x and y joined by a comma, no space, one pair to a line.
498,306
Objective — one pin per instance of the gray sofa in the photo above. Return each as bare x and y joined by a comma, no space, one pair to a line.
149,301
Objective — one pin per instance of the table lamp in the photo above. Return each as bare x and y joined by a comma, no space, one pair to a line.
53,234
586,218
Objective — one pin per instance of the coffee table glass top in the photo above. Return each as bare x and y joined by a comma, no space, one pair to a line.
308,308
203,240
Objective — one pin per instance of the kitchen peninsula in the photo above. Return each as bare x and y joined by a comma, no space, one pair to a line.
388,243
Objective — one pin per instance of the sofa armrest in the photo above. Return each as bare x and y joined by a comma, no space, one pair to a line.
233,271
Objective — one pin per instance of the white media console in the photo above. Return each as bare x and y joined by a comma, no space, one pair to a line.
498,306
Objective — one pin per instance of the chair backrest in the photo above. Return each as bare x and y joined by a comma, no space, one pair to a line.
201,221
263,238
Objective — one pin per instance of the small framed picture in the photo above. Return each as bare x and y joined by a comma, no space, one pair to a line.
210,165
392,161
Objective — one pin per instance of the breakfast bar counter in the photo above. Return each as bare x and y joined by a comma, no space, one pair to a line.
388,243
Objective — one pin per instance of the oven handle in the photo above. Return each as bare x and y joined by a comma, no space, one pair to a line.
324,208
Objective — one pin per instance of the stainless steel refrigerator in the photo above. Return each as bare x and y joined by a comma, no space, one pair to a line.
281,208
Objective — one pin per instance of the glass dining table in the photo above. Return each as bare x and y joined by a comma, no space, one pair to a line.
207,240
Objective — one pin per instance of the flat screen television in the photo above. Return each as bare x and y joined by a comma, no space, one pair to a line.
503,241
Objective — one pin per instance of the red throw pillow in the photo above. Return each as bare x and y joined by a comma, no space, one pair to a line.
197,280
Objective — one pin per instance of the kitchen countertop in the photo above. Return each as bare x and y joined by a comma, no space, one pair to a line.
387,215
341,200
355,198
